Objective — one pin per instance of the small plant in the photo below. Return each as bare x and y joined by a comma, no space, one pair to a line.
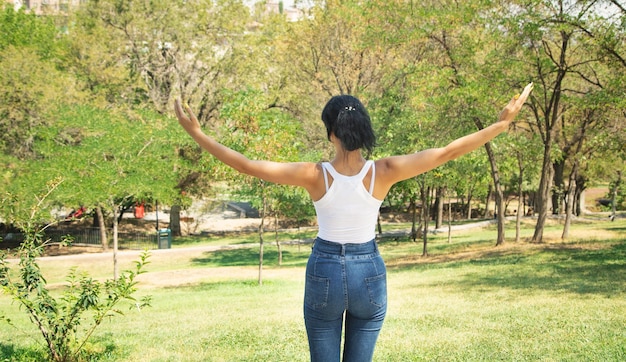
64,320
60,319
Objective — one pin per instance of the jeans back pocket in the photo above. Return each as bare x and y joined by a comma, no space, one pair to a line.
316,291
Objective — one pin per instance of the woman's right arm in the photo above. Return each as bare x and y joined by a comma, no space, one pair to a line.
304,174
397,168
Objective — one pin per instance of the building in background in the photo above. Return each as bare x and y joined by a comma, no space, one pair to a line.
291,11
46,6
287,8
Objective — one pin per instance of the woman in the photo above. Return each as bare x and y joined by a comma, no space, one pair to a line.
345,275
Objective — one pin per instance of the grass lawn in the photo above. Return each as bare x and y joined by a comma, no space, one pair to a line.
467,301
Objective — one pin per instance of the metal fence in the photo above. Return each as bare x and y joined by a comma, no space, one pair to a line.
91,237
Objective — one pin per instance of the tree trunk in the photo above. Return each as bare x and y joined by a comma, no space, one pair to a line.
543,193
487,199
425,194
439,207
449,219
520,197
175,220
558,191
278,246
102,228
581,185
115,243
500,210
569,202
261,226
614,194
469,205
414,227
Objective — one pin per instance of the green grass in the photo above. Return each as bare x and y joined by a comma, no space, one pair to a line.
468,301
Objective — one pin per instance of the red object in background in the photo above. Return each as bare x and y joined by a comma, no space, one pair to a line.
140,211
76,214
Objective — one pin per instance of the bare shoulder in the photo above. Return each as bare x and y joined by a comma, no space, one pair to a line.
314,177
308,173
393,169
385,175
389,167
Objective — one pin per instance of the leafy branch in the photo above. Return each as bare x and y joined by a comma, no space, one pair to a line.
59,320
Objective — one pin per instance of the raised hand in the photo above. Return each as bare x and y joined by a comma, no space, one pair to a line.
186,118
511,110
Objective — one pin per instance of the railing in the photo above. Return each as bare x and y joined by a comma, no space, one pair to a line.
91,237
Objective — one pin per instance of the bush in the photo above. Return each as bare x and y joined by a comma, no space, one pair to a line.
62,321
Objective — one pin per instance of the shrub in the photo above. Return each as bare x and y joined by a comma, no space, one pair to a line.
63,321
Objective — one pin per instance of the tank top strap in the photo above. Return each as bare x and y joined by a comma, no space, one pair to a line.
325,172
366,167
373,177
327,168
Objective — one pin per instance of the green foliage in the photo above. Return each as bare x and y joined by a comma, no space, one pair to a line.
31,82
27,30
28,96
103,155
90,53
167,48
63,321
292,203
425,70
617,184
265,133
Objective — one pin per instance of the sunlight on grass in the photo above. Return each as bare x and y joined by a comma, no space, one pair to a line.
467,301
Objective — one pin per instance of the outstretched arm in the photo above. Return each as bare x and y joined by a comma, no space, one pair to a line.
397,168
294,173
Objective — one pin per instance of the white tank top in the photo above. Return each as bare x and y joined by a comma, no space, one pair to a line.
347,213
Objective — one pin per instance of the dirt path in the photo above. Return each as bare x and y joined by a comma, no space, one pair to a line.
162,270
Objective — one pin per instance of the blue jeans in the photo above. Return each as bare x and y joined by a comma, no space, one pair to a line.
344,281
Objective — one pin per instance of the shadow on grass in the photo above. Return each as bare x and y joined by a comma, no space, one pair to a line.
97,349
9,352
587,269
250,257
618,227
225,239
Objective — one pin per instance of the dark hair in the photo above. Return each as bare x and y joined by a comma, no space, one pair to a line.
347,118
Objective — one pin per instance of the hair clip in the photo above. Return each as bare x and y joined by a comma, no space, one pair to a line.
349,108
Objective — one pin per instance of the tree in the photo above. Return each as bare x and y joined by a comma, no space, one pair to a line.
110,157
526,146
176,48
27,30
606,38
548,45
260,133
28,93
344,47
60,320
183,49
471,180
457,33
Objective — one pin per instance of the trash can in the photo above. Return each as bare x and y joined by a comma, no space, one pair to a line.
164,238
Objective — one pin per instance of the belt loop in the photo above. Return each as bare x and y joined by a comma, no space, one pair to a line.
343,249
